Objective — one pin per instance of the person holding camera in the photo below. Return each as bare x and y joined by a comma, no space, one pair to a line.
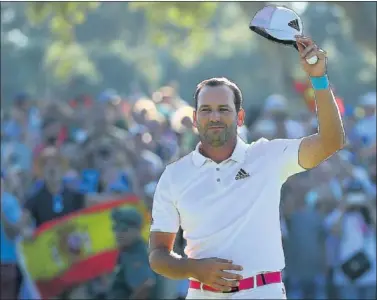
133,278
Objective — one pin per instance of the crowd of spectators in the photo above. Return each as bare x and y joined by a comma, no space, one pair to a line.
327,214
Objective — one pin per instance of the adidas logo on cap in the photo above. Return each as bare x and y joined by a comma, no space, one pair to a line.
294,24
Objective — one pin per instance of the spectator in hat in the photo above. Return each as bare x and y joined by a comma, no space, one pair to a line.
133,278
276,109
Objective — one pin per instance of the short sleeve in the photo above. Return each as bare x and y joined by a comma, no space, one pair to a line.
165,216
11,209
286,152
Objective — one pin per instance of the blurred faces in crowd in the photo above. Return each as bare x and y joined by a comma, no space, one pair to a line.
366,125
52,167
128,149
281,125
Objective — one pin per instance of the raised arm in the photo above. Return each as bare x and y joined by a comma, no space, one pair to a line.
330,137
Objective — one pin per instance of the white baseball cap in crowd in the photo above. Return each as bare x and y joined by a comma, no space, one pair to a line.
277,23
275,102
356,198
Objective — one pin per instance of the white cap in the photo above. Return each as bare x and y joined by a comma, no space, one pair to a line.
275,103
279,22
356,198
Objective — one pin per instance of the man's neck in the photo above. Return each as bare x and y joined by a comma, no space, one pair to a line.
53,188
218,154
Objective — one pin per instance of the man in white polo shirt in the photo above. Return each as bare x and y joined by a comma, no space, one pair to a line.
225,194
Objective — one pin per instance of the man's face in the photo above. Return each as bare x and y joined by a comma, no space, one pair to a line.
14,180
53,171
216,118
127,237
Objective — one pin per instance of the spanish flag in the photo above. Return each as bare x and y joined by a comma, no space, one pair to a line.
75,248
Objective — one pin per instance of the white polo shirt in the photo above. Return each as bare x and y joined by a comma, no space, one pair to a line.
227,212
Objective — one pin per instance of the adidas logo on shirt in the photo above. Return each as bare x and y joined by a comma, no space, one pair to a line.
242,174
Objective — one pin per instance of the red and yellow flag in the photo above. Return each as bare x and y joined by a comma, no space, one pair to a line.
76,248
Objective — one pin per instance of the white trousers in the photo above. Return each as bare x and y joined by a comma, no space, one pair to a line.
269,291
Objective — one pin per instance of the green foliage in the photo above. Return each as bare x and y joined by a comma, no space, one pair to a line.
189,15
69,60
75,47
63,16
64,57
182,26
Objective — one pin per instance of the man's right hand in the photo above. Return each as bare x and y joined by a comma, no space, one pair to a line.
214,272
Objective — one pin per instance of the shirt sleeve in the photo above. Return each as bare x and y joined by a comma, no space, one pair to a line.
286,151
12,209
165,216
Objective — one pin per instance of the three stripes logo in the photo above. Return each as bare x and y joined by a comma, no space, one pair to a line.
294,24
242,174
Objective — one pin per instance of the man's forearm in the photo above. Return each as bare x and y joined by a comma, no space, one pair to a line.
170,265
330,122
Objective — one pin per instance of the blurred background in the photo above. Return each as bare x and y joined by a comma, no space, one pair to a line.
98,96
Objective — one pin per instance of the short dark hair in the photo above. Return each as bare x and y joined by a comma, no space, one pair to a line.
218,81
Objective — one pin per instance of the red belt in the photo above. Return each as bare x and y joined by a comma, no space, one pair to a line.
244,284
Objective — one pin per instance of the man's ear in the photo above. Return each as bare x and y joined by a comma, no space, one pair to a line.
194,123
240,117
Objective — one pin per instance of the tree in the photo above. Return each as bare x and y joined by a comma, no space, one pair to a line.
117,44
64,56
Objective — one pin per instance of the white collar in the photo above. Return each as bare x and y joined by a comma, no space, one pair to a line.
238,155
